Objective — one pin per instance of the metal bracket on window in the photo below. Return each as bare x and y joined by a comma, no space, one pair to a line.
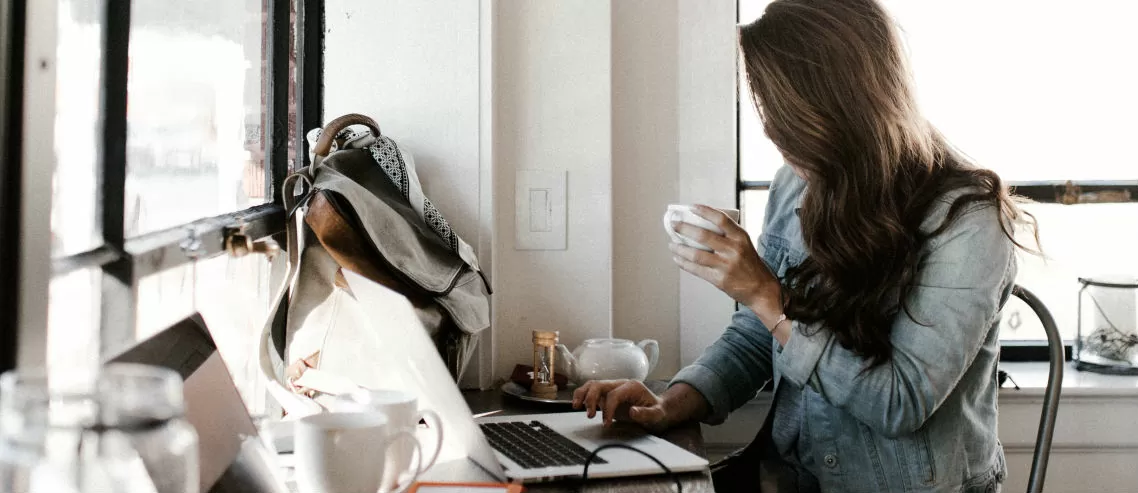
1073,194
238,244
192,244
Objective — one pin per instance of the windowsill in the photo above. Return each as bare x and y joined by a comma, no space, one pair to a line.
1032,380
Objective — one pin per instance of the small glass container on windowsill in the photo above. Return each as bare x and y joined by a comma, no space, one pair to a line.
1107,340
124,430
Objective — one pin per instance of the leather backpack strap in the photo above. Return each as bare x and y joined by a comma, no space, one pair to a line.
271,364
328,136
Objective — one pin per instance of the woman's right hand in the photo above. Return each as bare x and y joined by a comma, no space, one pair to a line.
623,400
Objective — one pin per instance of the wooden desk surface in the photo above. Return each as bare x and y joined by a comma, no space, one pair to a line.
687,436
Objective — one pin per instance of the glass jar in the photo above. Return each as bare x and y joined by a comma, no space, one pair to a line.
124,430
25,472
1107,339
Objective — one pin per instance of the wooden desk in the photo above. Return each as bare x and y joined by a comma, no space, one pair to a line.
687,436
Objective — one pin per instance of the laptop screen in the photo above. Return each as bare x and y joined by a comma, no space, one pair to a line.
213,406
403,357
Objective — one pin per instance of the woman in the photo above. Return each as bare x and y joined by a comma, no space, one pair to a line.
873,299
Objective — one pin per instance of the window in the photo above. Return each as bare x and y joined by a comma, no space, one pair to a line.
1051,114
11,86
175,125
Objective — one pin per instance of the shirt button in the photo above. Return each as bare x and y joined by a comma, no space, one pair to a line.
830,460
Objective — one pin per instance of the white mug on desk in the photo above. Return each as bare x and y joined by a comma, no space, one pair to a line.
402,411
350,453
678,213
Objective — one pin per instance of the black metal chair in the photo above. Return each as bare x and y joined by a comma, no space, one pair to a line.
1050,395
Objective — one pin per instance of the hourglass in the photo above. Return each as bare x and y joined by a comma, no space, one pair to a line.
544,349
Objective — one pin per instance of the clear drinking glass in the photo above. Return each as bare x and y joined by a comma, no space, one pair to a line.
24,472
124,430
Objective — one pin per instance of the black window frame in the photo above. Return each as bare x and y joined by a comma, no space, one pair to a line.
12,25
122,260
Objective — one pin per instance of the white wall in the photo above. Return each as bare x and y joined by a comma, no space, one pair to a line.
636,100
673,142
552,110
417,68
707,150
35,215
645,170
414,67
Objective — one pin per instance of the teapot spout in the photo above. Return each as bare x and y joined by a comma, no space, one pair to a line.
570,364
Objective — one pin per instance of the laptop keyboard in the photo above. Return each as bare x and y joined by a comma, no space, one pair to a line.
533,445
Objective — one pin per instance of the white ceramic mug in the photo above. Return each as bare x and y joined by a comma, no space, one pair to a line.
678,213
402,411
351,452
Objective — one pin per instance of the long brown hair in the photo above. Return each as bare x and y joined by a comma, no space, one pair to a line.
830,82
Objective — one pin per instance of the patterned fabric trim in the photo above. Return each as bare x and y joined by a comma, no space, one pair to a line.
386,154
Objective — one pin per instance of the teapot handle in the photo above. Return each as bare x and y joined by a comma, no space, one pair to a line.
651,349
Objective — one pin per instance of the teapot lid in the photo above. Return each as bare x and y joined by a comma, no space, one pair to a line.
607,341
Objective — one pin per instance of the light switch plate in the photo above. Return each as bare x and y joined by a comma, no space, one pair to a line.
539,218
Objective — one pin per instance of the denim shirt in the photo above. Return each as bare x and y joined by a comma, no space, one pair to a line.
925,421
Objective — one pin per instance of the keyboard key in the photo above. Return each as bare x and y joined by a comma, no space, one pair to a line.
533,445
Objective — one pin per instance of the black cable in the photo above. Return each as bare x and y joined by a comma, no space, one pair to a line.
597,451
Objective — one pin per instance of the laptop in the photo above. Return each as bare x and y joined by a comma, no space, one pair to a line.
527,449
232,457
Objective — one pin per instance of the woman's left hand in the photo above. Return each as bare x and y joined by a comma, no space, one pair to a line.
733,266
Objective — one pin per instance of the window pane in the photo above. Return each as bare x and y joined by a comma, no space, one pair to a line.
1022,100
232,295
758,157
163,299
752,205
1079,241
196,100
1011,94
73,323
75,225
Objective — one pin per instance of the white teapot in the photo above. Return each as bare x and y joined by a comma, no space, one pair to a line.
608,359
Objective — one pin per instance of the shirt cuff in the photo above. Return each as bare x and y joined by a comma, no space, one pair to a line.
799,358
707,382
